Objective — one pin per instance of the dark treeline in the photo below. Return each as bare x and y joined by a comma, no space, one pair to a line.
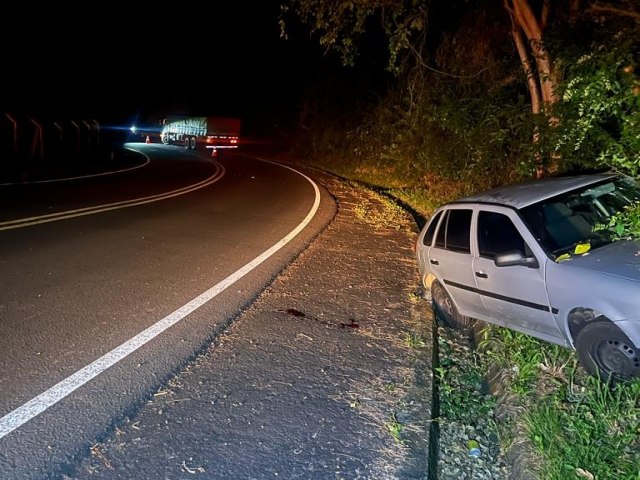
445,98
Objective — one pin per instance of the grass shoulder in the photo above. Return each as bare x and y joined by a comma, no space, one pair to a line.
578,426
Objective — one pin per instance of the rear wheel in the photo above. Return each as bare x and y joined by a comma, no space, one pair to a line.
445,310
605,351
185,143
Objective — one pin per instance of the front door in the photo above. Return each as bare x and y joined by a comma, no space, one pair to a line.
515,296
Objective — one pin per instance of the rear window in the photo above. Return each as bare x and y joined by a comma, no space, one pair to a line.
455,231
458,231
431,230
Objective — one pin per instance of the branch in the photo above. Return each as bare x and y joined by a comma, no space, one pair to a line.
421,62
611,9
544,17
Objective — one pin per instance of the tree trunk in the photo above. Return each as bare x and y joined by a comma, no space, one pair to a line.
532,82
541,78
532,28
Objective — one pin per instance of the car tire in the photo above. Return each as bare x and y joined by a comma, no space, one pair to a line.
606,352
192,143
445,310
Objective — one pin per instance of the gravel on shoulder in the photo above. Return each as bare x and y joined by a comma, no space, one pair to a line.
469,441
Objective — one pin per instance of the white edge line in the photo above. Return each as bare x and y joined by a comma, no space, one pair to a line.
53,395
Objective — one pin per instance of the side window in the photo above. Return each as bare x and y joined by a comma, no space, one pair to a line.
459,231
497,234
455,231
442,231
431,229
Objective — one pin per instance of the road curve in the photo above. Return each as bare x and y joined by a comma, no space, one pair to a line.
79,289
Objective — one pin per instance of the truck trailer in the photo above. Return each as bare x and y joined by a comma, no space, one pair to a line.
201,132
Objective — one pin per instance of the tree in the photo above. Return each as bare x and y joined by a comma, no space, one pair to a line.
342,24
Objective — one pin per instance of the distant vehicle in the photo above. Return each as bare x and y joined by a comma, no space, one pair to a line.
526,257
201,132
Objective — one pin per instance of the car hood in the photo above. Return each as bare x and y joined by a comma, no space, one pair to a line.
620,259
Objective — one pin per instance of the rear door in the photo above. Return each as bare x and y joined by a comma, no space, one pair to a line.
425,242
451,259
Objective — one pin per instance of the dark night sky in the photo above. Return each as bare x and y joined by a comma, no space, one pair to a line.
115,62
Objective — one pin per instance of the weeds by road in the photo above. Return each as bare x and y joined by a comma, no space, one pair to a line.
578,426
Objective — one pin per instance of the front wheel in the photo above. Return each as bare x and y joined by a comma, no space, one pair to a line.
605,351
445,311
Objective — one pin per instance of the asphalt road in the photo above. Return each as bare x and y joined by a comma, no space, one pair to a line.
89,264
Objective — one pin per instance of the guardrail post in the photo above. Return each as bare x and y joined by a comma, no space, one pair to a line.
15,132
86,124
97,133
60,136
77,135
37,140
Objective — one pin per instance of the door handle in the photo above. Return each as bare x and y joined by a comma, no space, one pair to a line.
433,261
481,274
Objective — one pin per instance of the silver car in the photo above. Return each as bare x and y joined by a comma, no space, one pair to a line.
526,257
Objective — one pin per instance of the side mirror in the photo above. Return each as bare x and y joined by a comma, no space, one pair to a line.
511,258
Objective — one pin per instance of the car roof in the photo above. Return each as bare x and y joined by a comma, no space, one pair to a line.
524,194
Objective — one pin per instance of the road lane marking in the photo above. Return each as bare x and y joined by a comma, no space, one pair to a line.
54,217
53,395
66,179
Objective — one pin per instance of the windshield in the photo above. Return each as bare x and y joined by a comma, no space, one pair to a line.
562,222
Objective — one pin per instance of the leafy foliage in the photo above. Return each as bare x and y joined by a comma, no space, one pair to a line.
439,133
599,113
341,24
624,224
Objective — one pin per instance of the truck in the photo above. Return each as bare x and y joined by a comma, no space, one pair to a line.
201,132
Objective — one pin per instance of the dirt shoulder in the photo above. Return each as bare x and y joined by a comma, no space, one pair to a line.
326,375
